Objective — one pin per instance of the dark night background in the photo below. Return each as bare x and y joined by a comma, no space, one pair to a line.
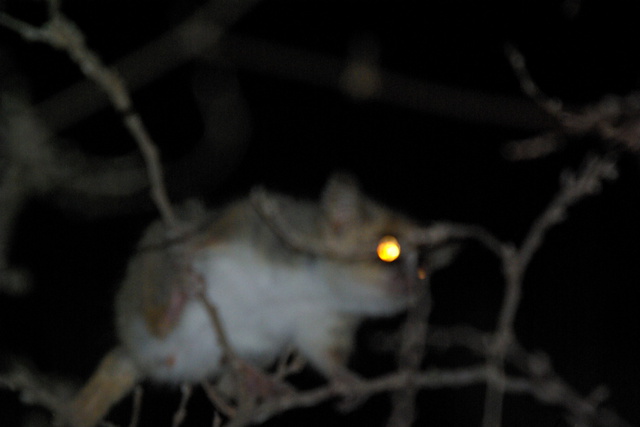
434,153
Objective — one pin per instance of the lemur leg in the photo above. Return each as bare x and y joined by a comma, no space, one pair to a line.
326,340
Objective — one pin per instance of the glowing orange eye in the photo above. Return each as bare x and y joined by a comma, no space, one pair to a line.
388,249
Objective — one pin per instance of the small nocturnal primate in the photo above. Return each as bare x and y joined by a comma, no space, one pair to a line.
271,292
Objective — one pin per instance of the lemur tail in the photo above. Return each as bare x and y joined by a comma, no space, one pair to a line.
115,377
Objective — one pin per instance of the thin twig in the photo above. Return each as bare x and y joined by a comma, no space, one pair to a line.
272,211
197,34
549,391
528,85
443,232
413,343
137,406
61,33
573,188
217,420
246,399
228,353
290,362
34,388
181,413
218,401
616,119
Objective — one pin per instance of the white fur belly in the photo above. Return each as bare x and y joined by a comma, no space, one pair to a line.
248,293
189,352
258,318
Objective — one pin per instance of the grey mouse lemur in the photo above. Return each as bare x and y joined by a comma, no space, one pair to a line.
269,292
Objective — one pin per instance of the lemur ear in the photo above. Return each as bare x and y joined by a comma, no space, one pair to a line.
342,201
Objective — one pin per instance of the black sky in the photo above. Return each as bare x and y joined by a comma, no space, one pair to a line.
430,143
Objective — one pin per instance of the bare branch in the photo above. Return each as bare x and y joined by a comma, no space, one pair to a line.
574,188
548,391
529,87
34,388
137,406
218,401
239,369
291,362
203,30
181,413
500,348
61,33
443,232
616,119
228,353
412,345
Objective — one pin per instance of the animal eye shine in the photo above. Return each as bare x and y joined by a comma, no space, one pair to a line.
388,249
